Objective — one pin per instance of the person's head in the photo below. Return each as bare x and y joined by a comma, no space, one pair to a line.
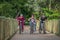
42,14
32,15
21,14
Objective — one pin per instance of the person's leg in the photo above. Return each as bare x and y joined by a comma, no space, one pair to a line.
44,31
19,29
31,27
34,27
40,28
22,27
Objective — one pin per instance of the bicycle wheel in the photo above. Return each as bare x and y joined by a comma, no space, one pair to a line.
31,31
20,28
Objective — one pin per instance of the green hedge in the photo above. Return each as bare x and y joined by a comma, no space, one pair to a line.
51,14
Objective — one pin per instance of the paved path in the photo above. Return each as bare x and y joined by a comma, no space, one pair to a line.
36,36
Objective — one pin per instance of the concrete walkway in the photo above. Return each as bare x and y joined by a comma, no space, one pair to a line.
36,36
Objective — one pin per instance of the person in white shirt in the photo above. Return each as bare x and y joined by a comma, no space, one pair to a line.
32,23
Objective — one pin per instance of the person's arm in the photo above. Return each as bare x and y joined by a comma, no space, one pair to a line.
39,18
46,19
35,20
17,18
24,19
29,19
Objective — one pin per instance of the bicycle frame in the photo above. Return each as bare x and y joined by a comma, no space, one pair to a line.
20,28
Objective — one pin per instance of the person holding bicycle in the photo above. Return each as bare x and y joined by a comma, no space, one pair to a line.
42,24
21,21
32,23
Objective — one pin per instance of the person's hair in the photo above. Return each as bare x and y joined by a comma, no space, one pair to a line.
18,15
32,15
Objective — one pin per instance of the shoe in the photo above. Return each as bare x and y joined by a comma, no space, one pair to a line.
44,33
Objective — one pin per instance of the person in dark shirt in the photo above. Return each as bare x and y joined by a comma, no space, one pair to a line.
42,23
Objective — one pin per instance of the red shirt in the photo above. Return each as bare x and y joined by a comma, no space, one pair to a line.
20,19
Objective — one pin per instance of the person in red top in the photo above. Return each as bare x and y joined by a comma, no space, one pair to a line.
22,20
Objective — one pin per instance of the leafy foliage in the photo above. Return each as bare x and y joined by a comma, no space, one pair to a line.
10,8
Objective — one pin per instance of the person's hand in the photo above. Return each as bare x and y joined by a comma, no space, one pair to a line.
46,20
24,21
29,19
16,19
20,21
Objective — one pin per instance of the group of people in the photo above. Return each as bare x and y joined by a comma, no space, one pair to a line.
32,22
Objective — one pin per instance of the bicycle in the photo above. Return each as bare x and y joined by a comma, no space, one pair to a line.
32,28
20,27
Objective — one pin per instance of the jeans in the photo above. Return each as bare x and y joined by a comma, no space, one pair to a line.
33,25
42,26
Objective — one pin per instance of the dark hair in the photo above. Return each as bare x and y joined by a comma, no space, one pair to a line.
18,15
32,14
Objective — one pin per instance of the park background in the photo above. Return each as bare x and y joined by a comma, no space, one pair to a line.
10,9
